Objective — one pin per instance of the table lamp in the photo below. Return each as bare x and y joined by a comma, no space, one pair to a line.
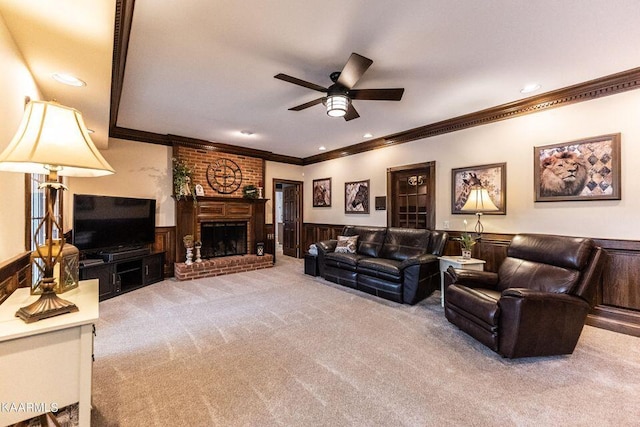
51,139
479,202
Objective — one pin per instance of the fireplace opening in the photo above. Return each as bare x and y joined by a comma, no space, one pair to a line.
223,239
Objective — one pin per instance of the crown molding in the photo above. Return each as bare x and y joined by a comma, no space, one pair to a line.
604,86
597,88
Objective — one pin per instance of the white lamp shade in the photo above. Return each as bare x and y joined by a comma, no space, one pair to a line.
337,105
479,201
52,136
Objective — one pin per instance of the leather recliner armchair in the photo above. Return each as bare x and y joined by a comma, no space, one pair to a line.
536,304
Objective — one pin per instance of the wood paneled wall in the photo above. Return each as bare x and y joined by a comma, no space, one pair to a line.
166,242
618,296
15,273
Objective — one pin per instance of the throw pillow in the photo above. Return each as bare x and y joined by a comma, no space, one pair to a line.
347,244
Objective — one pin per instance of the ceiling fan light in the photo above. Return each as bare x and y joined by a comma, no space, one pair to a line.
337,105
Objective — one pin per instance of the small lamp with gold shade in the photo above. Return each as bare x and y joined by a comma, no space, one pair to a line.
51,139
479,202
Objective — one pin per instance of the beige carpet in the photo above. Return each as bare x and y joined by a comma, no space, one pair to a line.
278,348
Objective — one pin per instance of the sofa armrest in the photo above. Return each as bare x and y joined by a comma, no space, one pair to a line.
417,260
326,246
420,277
536,323
472,278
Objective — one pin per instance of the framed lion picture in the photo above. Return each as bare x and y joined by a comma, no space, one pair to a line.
587,169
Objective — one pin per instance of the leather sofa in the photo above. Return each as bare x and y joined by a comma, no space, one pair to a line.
537,302
399,264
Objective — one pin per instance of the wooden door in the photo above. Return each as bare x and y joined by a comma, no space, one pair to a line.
412,196
291,220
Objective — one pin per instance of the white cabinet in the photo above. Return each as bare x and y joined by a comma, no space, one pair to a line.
47,364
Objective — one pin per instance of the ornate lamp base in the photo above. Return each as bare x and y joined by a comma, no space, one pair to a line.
48,305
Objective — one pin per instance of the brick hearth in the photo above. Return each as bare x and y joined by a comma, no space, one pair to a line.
222,265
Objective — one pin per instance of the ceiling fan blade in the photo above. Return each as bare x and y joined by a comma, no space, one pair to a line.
299,82
377,94
351,113
353,70
307,104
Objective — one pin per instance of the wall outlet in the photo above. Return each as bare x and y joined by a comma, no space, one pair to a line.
445,225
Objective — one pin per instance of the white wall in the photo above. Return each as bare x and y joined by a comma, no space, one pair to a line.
509,141
279,171
15,84
142,170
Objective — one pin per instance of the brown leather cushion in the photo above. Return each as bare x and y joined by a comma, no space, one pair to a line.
561,251
370,239
380,267
519,273
342,260
403,243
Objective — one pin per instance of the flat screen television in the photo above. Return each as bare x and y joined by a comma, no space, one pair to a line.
107,223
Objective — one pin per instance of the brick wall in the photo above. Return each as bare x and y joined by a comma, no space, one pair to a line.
199,160
222,265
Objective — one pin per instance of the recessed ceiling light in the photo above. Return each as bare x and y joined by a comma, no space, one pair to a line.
322,148
246,132
530,87
367,135
68,79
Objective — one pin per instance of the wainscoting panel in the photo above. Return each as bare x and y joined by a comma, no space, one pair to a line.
312,233
15,273
166,242
618,295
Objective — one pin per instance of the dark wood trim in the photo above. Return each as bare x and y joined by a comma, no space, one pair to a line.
139,135
315,232
15,273
122,32
166,242
302,248
232,149
430,169
604,86
27,211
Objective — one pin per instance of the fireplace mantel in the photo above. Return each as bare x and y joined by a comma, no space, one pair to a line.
190,214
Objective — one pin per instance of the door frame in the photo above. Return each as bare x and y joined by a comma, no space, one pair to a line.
430,169
300,187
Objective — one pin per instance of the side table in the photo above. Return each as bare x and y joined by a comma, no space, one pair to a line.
460,263
310,264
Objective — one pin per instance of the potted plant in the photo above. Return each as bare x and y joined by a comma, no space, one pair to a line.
467,241
182,179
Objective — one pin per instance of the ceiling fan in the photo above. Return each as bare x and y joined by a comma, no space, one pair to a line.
341,92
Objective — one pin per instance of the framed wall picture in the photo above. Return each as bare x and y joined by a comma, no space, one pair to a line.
356,197
587,169
493,177
322,192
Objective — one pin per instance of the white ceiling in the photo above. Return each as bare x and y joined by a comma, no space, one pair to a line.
204,69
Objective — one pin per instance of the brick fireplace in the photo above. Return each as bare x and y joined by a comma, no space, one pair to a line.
210,214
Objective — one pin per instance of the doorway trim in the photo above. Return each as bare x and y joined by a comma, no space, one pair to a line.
300,187
427,167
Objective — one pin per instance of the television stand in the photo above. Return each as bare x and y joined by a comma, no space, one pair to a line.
124,254
122,275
